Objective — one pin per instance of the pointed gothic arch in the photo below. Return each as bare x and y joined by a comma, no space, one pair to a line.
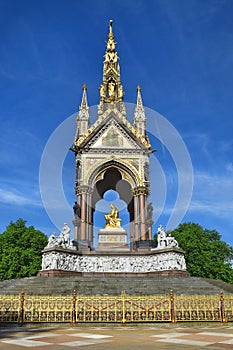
117,176
110,177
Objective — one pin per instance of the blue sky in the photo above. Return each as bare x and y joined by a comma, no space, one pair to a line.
179,51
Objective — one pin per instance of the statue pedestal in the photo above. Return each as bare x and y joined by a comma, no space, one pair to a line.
112,239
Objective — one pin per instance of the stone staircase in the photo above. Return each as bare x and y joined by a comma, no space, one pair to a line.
113,285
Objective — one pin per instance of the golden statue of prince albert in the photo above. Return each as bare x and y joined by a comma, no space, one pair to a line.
112,219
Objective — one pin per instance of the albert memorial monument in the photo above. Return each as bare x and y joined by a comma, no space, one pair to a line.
112,154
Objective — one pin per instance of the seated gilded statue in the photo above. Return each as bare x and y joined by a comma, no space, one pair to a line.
112,219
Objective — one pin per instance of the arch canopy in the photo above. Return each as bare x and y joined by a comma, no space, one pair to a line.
111,179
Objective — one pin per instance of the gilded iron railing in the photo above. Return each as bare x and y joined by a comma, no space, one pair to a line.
194,308
9,308
228,308
147,308
122,308
48,309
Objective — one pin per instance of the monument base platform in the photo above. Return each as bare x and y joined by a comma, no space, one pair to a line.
59,262
165,273
112,240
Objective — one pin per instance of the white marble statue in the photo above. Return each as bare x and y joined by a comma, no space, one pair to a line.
52,240
164,240
171,241
162,237
63,240
64,237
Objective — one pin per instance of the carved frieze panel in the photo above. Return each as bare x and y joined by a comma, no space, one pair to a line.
123,264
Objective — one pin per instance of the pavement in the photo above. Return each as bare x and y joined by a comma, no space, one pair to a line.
110,337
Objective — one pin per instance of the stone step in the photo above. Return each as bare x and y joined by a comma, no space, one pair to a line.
113,285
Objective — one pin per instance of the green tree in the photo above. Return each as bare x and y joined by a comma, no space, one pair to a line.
206,254
20,250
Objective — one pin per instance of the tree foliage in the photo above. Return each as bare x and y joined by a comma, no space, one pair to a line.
20,250
206,254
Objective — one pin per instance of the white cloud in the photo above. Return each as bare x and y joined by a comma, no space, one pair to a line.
213,194
217,182
229,167
219,209
17,198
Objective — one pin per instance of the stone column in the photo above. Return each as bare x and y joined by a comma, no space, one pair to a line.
89,217
142,217
149,220
136,219
140,194
76,224
84,235
83,218
150,233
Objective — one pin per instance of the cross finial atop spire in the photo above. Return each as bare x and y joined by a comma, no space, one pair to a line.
110,35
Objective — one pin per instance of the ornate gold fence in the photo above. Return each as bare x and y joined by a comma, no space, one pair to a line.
9,308
193,308
228,308
48,309
122,308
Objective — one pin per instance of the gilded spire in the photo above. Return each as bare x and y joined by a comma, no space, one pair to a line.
111,89
139,97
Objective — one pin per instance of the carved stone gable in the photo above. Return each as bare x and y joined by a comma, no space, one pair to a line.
113,136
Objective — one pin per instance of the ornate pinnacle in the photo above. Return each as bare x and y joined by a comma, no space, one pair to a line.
83,116
139,115
139,97
84,98
111,89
